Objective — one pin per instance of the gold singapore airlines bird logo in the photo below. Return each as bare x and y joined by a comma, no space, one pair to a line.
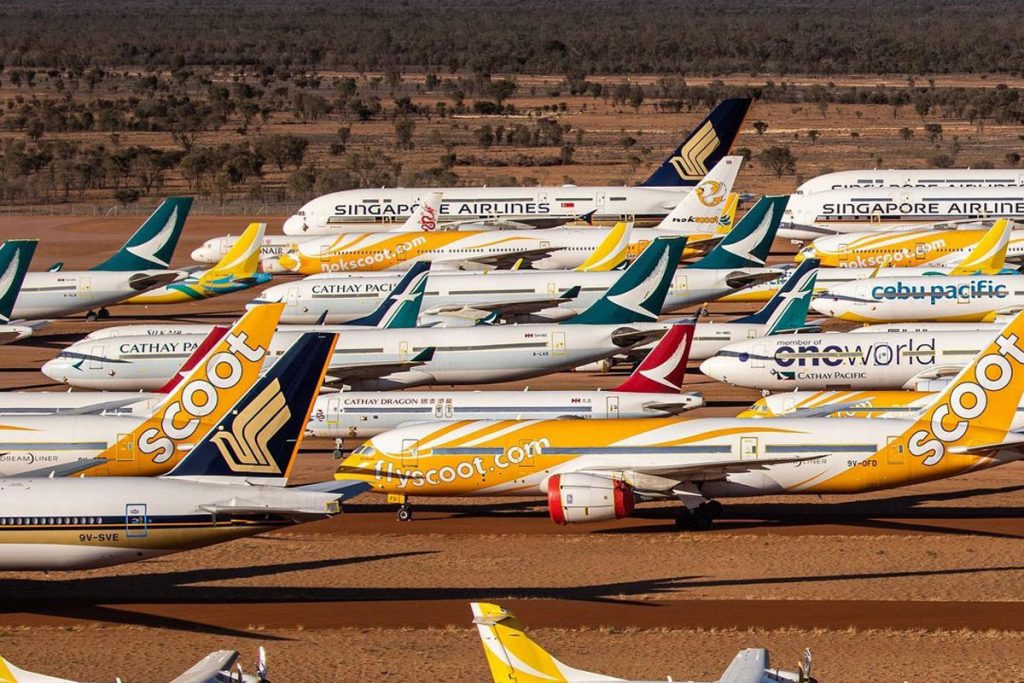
245,448
690,164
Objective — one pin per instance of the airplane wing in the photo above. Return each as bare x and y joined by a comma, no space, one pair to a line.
346,490
677,472
667,407
1012,442
504,308
338,375
506,261
230,509
142,282
208,669
938,372
740,280
65,470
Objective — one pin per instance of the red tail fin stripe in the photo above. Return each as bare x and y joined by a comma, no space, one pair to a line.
211,340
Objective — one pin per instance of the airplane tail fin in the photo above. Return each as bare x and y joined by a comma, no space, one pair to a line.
15,257
747,245
700,210
727,219
968,425
258,438
215,335
197,401
153,244
664,368
639,293
514,656
425,217
612,250
989,254
703,147
400,308
12,674
243,258
787,310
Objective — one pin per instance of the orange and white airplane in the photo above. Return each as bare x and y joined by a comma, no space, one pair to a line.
593,475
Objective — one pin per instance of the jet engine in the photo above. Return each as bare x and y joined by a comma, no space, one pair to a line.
577,497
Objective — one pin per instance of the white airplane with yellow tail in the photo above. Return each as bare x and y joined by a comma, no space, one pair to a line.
514,657
591,475
216,667
236,271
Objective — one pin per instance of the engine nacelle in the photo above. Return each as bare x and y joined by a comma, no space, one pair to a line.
577,497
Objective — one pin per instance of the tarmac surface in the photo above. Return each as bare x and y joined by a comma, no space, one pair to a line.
922,583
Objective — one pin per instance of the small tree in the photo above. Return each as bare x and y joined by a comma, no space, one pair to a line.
126,195
906,133
760,127
1013,158
778,159
813,134
404,128
934,131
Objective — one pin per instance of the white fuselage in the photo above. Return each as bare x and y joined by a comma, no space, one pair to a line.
810,216
935,178
469,355
62,524
345,297
332,213
926,299
54,295
929,247
845,360
361,414
214,249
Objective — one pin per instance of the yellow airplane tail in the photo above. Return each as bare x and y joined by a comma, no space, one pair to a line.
989,254
968,424
243,258
12,674
513,656
728,217
198,402
612,250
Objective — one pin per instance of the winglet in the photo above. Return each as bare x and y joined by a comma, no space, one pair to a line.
424,356
664,368
989,254
611,251
703,147
153,244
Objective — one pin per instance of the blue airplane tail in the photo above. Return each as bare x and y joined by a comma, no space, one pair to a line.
259,437
703,147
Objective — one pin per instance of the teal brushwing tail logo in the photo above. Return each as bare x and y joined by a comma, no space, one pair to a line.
152,246
703,147
787,310
15,256
639,293
401,308
747,245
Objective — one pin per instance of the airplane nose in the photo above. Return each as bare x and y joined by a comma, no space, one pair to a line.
716,367
295,225
56,369
824,305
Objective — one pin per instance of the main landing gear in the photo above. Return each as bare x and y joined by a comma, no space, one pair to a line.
405,507
698,513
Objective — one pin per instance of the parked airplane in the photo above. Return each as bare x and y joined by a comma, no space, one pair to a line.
217,492
847,360
595,475
988,257
513,656
651,390
916,248
15,256
652,199
927,299
140,265
559,248
144,444
810,216
386,359
237,270
785,313
216,667
935,178
736,262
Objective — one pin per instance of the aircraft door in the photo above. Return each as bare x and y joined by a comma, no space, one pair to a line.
844,253
403,350
612,406
920,249
410,453
136,521
325,253
558,345
293,297
599,200
552,290
333,415
896,468
679,284
124,448
748,448
96,357
757,358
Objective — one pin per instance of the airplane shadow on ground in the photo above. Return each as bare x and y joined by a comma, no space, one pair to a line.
115,599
